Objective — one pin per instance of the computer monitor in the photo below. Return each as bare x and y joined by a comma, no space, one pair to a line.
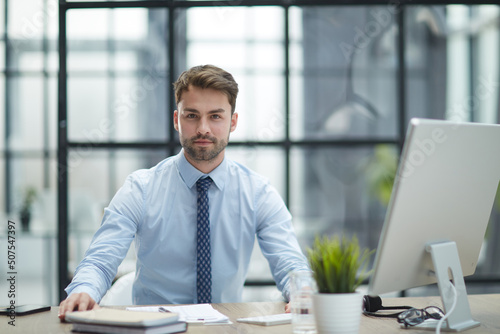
440,206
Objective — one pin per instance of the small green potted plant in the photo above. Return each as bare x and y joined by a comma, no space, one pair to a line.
339,267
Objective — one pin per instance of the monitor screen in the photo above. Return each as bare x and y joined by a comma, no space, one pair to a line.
444,190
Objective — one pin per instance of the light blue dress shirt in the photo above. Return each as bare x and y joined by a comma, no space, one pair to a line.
157,207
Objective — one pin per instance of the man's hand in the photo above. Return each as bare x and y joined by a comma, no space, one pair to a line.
77,301
288,308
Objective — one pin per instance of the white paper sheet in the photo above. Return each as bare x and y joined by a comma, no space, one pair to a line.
192,314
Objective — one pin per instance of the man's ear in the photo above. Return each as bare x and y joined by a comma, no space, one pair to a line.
234,121
176,120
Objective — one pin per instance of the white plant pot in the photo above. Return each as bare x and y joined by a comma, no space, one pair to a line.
338,313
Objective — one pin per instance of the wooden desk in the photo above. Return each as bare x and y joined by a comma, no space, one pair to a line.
485,309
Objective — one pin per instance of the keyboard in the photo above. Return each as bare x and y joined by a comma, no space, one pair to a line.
268,320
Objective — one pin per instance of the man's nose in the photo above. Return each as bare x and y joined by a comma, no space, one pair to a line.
203,126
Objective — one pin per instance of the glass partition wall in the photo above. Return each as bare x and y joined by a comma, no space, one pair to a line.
326,91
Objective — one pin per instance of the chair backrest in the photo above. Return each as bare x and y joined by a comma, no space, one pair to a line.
120,292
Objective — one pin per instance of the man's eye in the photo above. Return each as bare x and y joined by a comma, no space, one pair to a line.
216,116
191,116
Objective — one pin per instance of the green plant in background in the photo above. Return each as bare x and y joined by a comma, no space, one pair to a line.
29,197
335,263
381,172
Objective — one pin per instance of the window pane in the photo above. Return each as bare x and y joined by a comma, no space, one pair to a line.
269,162
118,23
452,62
30,61
486,88
37,175
100,109
27,17
346,87
117,79
94,177
26,114
426,62
127,39
32,120
87,108
244,23
336,190
247,42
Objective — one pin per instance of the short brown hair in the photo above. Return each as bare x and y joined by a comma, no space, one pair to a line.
207,76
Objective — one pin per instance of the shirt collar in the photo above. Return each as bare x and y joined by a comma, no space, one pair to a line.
190,174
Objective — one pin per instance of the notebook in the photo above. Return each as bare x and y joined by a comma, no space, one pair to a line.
124,318
176,327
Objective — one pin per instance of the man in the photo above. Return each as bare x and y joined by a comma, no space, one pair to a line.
169,217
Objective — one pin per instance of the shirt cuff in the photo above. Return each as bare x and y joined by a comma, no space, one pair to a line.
87,289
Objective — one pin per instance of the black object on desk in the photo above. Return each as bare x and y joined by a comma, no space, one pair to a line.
23,309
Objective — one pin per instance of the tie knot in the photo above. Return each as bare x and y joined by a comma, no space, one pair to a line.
203,184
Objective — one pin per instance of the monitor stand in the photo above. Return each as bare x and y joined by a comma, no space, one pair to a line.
447,267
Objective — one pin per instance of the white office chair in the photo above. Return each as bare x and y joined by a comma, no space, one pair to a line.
120,292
